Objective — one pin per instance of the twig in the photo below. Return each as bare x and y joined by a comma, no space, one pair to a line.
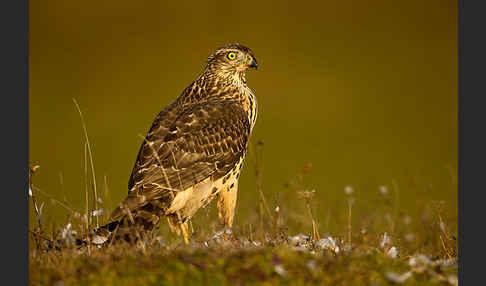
113,235
446,250
40,236
61,179
54,199
263,201
350,207
106,199
275,222
397,205
88,217
315,230
442,230
36,209
307,196
90,157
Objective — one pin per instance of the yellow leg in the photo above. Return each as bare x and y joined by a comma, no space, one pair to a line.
226,204
185,232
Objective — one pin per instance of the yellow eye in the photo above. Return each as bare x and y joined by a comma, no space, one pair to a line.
231,55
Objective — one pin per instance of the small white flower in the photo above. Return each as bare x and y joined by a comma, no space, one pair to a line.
447,262
98,239
398,278
385,240
348,190
220,233
97,212
67,234
419,260
328,243
277,209
383,190
392,252
66,230
280,270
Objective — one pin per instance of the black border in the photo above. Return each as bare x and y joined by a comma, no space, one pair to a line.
472,158
14,88
14,75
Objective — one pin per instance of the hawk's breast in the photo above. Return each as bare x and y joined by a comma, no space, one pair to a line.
253,107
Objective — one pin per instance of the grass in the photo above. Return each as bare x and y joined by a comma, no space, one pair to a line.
227,265
283,243
263,251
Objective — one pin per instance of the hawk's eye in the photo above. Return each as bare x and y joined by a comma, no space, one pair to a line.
231,55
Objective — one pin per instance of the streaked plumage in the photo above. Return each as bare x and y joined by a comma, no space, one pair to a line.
194,150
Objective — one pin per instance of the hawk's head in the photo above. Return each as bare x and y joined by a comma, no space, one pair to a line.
233,59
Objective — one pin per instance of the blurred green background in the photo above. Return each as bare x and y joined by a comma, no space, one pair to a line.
366,91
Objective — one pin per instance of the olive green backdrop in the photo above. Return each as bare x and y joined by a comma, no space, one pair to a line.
364,90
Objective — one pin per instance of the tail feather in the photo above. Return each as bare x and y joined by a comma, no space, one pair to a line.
130,225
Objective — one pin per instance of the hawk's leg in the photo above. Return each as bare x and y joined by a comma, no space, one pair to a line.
227,203
178,227
185,232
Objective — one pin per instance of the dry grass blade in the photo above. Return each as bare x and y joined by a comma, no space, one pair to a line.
396,206
308,196
34,202
61,180
444,237
53,199
350,228
90,156
106,199
263,201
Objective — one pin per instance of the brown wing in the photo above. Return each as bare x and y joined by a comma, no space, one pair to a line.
157,132
207,139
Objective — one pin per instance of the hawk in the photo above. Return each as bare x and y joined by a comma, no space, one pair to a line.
194,150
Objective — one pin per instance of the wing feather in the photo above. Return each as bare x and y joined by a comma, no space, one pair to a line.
206,139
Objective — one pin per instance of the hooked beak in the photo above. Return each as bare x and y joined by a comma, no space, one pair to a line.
253,63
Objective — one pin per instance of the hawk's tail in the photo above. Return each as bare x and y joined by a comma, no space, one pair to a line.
129,226
132,227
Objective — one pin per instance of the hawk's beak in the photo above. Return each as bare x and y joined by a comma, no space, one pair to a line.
253,63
